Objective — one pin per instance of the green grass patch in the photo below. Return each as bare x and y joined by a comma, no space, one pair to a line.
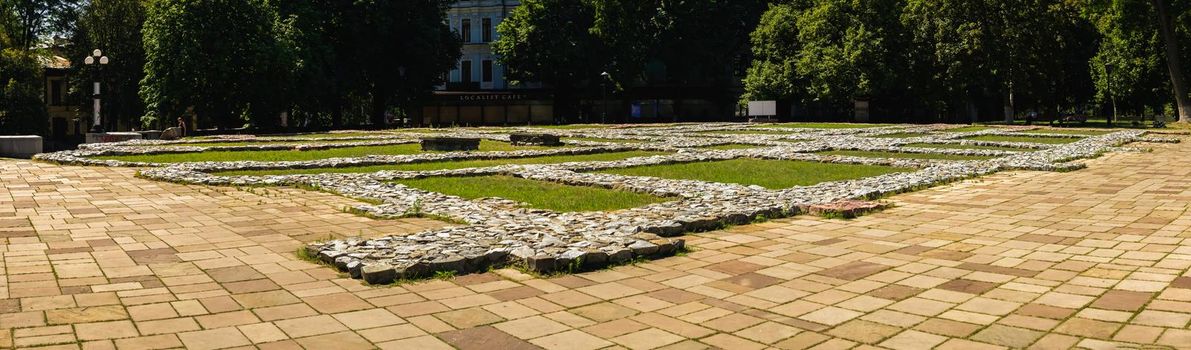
291,155
902,135
731,146
1068,132
260,143
537,194
902,155
823,125
959,146
772,174
570,126
340,134
1002,138
746,132
969,128
600,139
443,165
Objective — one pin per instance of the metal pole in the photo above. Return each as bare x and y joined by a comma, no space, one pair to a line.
97,127
604,91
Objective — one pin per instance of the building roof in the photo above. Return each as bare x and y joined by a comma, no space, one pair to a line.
54,62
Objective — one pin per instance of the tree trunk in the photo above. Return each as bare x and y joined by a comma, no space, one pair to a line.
337,117
1008,106
1173,62
377,114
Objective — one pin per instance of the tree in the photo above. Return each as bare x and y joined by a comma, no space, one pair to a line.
26,21
21,108
220,57
113,26
1132,44
400,50
1174,64
317,33
851,49
550,41
773,74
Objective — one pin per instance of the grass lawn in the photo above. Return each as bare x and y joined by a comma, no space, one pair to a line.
902,135
772,174
874,154
599,139
288,155
746,132
442,165
328,135
260,143
570,126
969,128
823,125
959,146
1068,132
731,146
538,194
1047,140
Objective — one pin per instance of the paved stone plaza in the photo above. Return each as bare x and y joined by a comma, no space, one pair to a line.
498,233
95,257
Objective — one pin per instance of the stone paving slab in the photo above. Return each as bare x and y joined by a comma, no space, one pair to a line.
496,233
1094,258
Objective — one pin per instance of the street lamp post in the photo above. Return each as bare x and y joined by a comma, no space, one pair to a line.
96,58
1108,72
604,92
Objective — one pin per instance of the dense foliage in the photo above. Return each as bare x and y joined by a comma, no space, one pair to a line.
231,63
21,108
949,60
219,57
569,44
115,26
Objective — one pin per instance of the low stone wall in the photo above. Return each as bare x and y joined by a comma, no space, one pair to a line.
450,144
498,232
112,137
20,146
524,139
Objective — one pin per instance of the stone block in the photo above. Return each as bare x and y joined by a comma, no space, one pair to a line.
20,146
620,256
379,273
413,270
451,263
150,134
527,139
845,208
449,144
540,263
105,137
643,248
173,133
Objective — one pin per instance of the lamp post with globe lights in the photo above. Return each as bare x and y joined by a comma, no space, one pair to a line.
97,58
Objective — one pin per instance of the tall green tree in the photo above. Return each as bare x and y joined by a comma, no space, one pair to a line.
318,35
1132,44
852,49
1174,56
113,26
28,21
22,110
773,73
550,41
401,50
219,57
